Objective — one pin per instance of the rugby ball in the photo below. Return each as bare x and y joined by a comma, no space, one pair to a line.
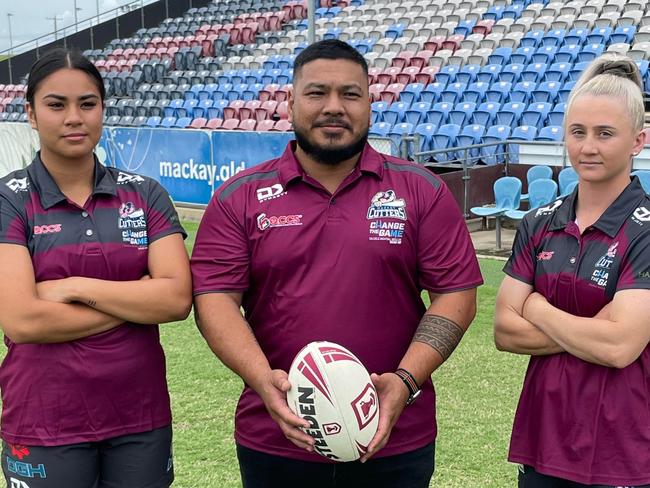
332,390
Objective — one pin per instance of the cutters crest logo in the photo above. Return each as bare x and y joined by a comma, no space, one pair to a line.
600,276
269,193
16,185
131,217
264,222
386,205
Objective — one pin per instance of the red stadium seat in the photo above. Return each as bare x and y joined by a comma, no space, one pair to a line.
214,124
265,125
281,94
232,110
283,125
392,92
372,75
483,27
283,110
199,123
375,91
403,59
266,110
247,124
408,75
248,110
388,76
427,75
421,58
230,124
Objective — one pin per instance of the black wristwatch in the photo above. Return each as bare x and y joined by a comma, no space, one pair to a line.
410,383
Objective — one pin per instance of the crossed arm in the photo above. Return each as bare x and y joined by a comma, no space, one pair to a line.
76,307
526,323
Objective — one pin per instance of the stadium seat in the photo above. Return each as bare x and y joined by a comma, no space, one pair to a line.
469,136
168,122
536,172
183,122
536,114
507,193
153,121
425,132
566,178
396,134
396,112
380,129
541,191
432,92
522,91
644,178
550,133
462,113
417,114
198,123
510,114
411,93
439,113
521,133
492,154
445,138
485,114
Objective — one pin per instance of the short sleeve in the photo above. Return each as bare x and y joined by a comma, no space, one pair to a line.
162,218
521,265
635,268
446,257
12,223
221,258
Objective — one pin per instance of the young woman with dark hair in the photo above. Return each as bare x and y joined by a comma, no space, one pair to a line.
92,259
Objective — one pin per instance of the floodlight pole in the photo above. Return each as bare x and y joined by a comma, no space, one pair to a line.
311,16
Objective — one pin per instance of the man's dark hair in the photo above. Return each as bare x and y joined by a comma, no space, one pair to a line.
328,49
60,58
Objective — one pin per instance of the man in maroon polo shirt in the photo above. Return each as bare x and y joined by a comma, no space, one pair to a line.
334,241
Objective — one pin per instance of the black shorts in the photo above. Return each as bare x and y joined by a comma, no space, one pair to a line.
409,470
142,460
529,478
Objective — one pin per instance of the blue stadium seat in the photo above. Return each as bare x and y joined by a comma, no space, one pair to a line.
168,122
567,53
536,114
439,113
532,38
431,92
469,136
396,133
174,105
576,36
507,194
489,73
542,192
453,92
500,56
462,113
468,73
445,138
425,133
417,114
493,154
187,109
495,12
564,92
534,72
394,31
556,115
464,27
544,54
396,113
557,72
521,133
498,92
378,109
411,93
201,110
183,122
551,133
599,35
623,33
380,129
486,113
511,73
547,92
475,92
644,178
522,91
513,11
537,172
522,55
153,121
554,37
447,74
577,70
566,178
510,114
590,52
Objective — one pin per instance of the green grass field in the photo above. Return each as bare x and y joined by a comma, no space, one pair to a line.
477,390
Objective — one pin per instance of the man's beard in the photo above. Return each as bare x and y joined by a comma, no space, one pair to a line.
327,155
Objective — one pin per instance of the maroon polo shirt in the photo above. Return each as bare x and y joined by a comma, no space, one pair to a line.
109,384
346,267
577,420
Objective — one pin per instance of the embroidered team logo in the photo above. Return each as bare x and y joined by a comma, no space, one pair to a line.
600,276
386,205
270,193
16,185
550,209
124,178
131,217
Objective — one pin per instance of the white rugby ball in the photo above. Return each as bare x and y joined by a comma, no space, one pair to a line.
332,390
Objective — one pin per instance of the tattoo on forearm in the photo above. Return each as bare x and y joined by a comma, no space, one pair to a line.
440,333
92,303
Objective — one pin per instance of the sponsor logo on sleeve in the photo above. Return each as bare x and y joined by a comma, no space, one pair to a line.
549,209
641,215
18,184
265,222
270,193
124,178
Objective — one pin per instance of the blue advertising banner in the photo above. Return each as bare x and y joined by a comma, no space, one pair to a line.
190,164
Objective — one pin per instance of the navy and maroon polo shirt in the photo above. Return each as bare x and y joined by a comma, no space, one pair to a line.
346,267
109,384
577,420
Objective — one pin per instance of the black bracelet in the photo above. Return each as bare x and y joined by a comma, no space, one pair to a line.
408,380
